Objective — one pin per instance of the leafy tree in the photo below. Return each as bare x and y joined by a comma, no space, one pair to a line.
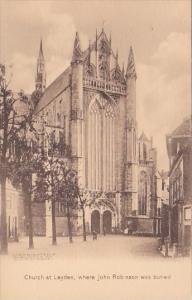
69,193
26,166
57,183
84,199
12,124
49,179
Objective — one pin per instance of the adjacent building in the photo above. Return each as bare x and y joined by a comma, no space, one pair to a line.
179,147
162,184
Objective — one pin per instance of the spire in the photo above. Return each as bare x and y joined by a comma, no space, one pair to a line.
131,72
96,40
117,67
77,53
40,82
117,56
110,39
123,70
116,61
89,55
41,50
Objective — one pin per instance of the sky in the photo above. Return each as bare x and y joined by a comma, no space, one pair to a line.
159,32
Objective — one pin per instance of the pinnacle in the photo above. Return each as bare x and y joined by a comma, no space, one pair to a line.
117,55
77,53
131,72
123,70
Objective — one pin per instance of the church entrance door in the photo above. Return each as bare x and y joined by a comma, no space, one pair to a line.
107,221
95,221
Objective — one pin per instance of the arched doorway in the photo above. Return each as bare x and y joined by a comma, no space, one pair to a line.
107,221
95,221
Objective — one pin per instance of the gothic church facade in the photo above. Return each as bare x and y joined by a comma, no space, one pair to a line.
91,107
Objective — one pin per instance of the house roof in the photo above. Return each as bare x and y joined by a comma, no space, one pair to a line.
54,89
184,129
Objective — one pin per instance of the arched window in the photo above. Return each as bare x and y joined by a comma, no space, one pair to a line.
142,193
101,145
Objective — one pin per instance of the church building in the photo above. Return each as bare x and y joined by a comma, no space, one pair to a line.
91,107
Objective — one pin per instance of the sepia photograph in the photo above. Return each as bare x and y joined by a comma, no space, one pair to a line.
95,150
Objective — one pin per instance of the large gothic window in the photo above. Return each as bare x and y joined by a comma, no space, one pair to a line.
101,145
143,193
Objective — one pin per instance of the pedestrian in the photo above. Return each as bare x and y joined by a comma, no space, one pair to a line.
94,235
104,230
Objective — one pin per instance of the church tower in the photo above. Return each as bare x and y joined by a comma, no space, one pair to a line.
131,137
77,120
40,81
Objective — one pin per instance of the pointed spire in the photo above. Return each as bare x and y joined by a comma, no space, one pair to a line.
41,47
131,72
89,55
110,39
41,56
77,53
117,56
96,37
40,82
123,70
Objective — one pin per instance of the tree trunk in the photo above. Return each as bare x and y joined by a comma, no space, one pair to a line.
3,229
69,224
54,234
84,227
30,220
4,240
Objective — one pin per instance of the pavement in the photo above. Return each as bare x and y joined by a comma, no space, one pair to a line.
108,246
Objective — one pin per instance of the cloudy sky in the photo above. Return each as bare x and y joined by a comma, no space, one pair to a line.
159,32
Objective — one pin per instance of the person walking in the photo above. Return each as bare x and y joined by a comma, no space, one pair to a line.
94,235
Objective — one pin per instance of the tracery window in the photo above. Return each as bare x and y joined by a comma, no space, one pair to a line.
101,145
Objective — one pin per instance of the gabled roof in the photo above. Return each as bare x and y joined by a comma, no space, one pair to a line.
184,129
54,89
99,37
